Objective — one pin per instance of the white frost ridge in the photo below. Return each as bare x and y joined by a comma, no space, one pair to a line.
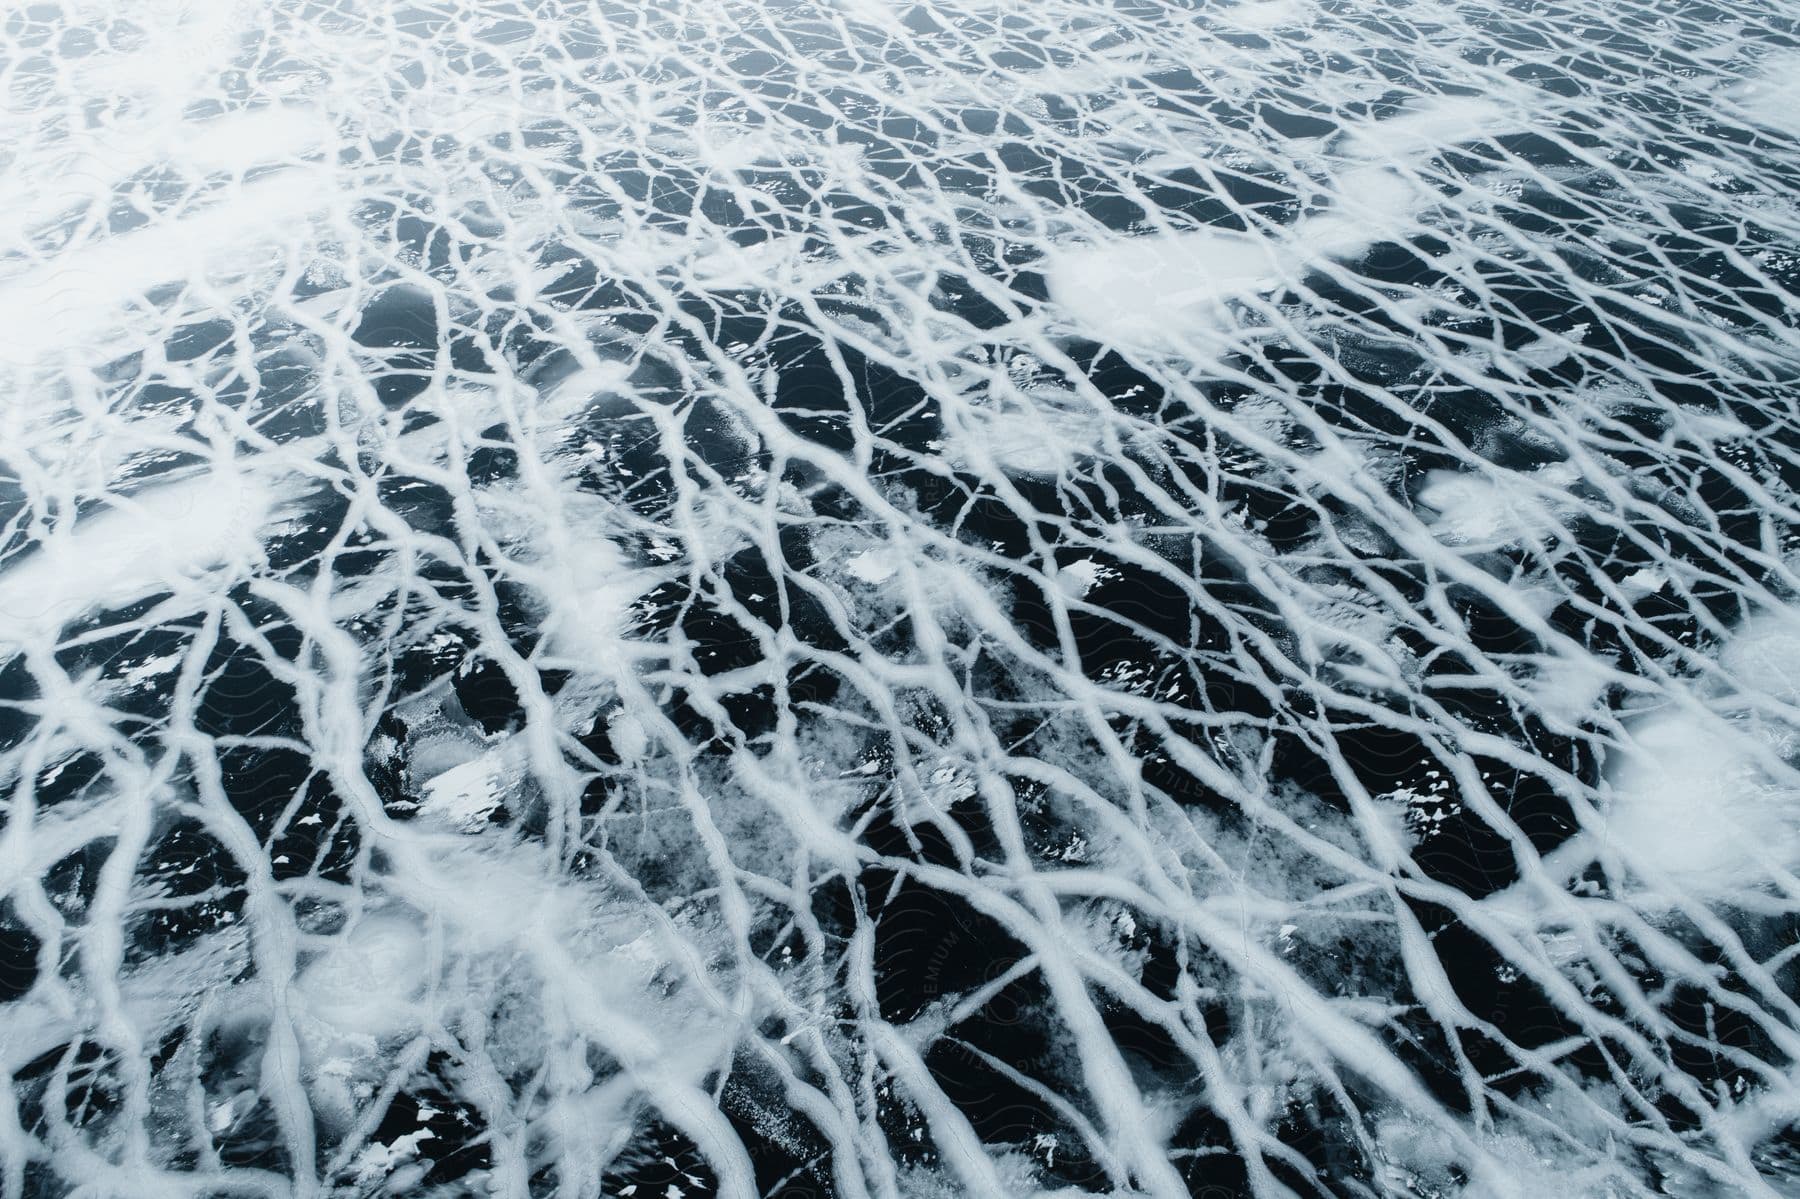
687,598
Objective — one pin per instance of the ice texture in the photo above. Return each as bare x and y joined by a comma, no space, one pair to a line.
670,598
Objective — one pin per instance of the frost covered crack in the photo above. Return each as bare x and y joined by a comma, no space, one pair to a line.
887,599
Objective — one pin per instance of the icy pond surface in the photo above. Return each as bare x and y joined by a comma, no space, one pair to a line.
680,598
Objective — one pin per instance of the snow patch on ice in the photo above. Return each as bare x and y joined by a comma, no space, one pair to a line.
1771,98
1764,656
370,983
1488,511
466,796
1694,802
190,537
870,566
1137,289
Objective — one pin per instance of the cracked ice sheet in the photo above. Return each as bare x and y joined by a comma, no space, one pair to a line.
888,599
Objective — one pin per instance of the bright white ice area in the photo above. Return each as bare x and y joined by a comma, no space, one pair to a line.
190,538
1695,802
688,597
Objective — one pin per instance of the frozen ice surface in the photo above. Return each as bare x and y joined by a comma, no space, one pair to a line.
670,598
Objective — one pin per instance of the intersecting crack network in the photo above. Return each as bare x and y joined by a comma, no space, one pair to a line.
881,599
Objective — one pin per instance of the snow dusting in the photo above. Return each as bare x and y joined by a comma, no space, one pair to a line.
888,599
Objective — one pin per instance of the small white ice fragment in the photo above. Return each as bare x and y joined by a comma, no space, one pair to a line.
1078,578
870,566
465,796
630,739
